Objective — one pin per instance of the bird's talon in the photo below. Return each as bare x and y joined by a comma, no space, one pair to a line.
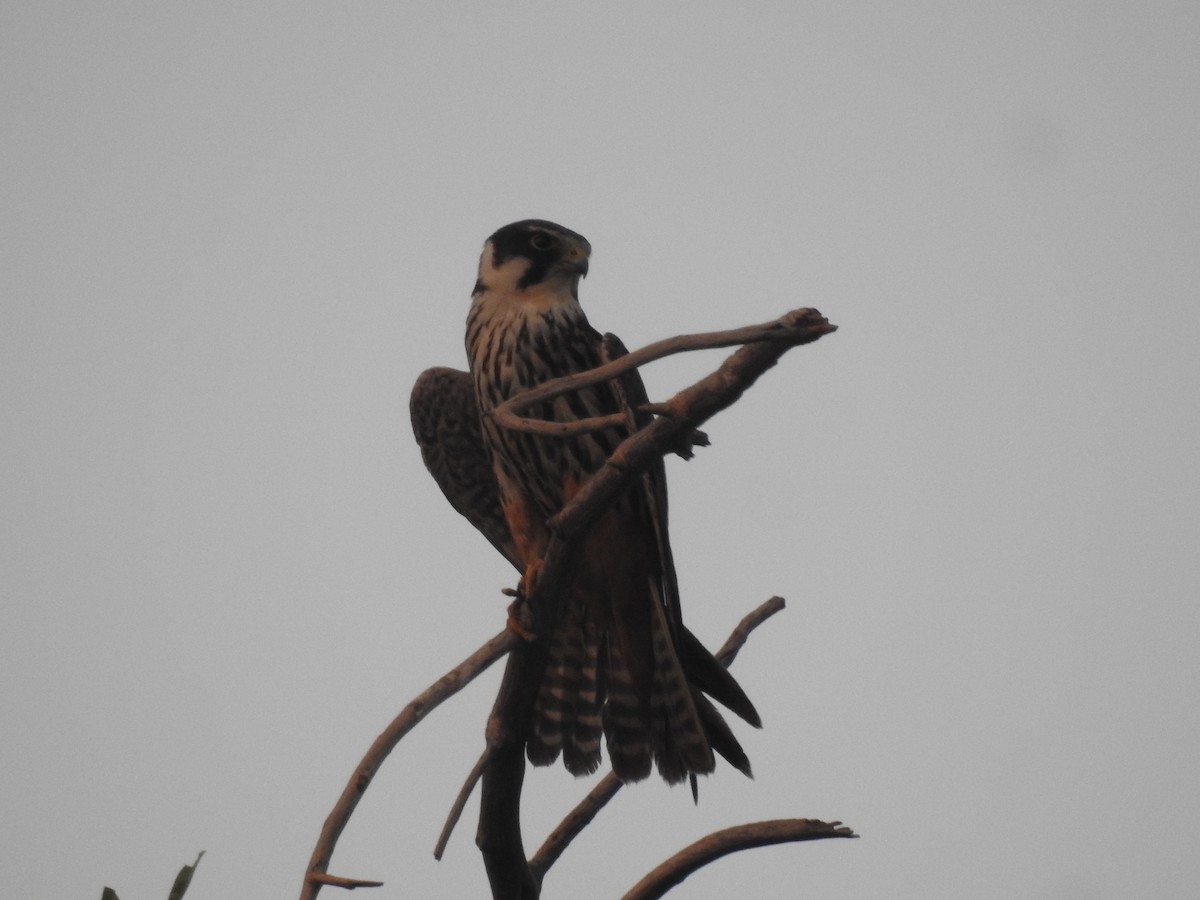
518,618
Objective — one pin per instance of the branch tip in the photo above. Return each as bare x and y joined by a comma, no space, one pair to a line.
338,881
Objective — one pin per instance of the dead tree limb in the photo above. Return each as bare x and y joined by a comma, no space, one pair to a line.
499,833
460,802
338,881
730,840
800,326
737,639
573,824
444,688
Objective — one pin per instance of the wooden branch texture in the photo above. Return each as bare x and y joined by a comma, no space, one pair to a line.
800,326
730,840
443,689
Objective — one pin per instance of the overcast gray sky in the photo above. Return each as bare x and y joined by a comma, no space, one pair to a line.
233,234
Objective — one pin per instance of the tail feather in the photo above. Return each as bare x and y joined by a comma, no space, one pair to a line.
589,690
680,745
581,744
566,716
546,737
706,672
624,722
554,708
720,735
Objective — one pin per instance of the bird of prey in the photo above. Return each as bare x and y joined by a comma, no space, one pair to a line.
620,662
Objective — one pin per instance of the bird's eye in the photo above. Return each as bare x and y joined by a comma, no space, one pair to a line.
541,241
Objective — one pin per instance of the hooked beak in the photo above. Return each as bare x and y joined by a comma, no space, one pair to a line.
575,260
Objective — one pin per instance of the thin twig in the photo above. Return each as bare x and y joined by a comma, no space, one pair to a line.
573,824
338,881
737,639
464,794
442,689
730,840
588,808
796,327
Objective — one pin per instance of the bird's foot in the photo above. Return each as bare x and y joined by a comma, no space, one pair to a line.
520,615
520,619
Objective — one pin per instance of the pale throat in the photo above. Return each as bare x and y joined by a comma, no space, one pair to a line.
556,293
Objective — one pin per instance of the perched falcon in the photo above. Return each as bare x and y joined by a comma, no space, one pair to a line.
620,661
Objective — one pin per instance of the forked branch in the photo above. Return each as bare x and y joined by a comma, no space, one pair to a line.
442,689
800,326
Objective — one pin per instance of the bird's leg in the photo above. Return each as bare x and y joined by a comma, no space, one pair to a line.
520,616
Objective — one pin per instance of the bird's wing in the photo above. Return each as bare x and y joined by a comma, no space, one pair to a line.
445,421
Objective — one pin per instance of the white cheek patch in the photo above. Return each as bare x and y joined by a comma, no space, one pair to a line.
503,277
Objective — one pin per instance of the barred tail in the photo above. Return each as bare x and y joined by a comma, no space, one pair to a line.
589,688
566,714
681,747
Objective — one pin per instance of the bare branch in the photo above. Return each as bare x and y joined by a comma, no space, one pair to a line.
464,794
800,326
737,639
499,834
444,688
573,824
338,881
587,808
730,840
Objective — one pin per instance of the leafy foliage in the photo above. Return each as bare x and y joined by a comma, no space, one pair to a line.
178,889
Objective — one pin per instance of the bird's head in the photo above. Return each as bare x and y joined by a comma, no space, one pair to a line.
533,254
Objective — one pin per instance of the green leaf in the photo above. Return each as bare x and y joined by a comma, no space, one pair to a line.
182,880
